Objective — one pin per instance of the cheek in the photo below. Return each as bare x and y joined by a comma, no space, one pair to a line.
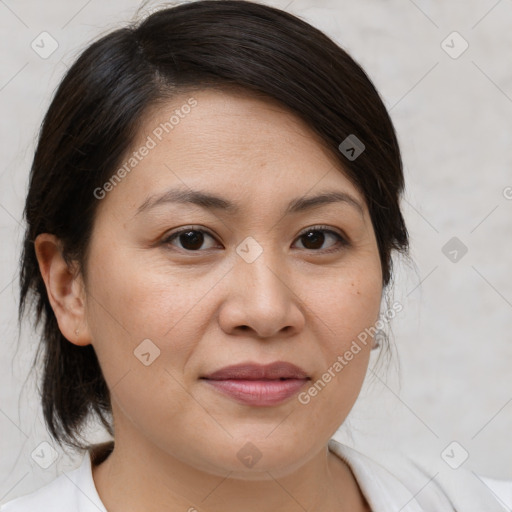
349,309
135,300
348,305
138,299
143,332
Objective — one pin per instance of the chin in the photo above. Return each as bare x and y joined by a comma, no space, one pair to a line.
261,455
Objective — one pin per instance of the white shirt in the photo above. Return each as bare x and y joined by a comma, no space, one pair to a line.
412,490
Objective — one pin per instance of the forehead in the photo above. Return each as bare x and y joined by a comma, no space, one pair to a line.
231,143
235,119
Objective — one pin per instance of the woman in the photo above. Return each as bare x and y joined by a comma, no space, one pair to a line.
212,211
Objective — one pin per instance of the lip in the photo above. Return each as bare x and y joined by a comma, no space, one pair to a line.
258,385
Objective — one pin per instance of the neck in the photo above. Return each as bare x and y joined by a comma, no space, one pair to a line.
145,478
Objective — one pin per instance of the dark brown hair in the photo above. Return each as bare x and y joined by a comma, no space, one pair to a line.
97,110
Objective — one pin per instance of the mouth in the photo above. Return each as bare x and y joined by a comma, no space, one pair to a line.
258,385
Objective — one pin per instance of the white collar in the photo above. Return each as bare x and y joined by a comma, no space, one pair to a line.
382,490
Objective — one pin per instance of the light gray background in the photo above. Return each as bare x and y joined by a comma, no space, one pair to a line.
453,118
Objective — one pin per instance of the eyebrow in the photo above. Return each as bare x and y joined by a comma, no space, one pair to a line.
213,202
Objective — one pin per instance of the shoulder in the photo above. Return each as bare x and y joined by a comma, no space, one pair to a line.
419,485
71,491
56,496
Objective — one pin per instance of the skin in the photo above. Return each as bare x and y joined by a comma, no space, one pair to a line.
177,438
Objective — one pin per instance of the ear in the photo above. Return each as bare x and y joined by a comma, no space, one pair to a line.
65,289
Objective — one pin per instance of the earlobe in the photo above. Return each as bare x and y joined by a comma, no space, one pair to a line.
65,289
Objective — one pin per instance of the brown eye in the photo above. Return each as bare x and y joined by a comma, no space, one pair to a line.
314,238
190,239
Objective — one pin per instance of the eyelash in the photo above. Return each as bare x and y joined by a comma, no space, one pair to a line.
342,241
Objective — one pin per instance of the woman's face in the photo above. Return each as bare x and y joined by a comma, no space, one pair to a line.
267,279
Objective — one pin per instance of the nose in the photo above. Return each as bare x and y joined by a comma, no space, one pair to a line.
260,299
